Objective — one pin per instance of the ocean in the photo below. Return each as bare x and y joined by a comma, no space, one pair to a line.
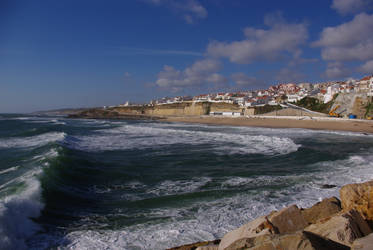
115,184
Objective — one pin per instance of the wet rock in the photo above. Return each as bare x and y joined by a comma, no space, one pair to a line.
321,210
345,227
358,197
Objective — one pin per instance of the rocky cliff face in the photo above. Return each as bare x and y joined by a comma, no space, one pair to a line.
174,109
351,103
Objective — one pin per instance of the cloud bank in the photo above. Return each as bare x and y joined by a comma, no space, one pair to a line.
351,6
201,72
270,44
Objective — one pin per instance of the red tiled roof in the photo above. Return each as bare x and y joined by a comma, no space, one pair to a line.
366,78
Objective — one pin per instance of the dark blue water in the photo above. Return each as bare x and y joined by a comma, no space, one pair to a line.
100,184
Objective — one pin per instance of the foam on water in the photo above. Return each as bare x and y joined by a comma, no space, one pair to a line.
9,170
178,187
17,209
33,141
209,220
135,137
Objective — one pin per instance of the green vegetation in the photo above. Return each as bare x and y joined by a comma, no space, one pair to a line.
315,105
266,109
369,110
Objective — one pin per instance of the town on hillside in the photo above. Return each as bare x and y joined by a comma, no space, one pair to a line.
350,93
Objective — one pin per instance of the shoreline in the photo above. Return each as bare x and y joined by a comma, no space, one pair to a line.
305,122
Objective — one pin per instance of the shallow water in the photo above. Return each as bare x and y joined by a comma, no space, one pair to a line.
84,184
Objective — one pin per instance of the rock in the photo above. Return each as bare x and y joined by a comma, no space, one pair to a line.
298,241
365,243
326,186
288,220
257,227
209,247
358,197
345,227
322,210
205,245
245,243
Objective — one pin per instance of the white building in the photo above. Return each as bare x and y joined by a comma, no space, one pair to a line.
330,92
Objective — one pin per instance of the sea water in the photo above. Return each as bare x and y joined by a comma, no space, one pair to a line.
109,184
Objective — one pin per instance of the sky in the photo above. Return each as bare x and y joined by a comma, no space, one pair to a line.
79,53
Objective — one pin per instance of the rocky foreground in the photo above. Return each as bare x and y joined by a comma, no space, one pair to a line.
329,224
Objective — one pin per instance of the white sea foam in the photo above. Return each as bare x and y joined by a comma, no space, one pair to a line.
11,169
17,209
33,141
178,187
137,137
15,214
209,220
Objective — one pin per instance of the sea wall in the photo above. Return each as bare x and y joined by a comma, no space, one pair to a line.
329,224
294,112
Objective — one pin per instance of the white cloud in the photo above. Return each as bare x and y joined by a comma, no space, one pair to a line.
336,70
289,75
351,6
349,41
367,67
200,73
191,10
270,44
242,80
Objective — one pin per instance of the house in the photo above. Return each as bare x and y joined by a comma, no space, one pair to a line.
330,92
366,85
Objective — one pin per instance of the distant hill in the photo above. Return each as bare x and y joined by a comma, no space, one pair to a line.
60,112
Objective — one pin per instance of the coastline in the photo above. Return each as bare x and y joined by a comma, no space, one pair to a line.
315,123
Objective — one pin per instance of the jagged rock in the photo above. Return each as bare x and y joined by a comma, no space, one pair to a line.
321,210
365,243
199,245
345,227
209,247
358,197
257,227
288,220
297,241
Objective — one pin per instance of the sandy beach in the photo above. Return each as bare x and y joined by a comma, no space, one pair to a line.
353,125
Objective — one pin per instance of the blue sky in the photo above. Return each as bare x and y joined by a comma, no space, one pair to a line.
71,53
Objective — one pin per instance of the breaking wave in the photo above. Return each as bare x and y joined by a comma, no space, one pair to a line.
32,141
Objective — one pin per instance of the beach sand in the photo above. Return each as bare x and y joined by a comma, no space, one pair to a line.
353,125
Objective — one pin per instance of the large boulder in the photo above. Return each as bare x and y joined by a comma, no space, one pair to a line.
345,227
288,220
255,228
365,243
321,210
297,241
358,197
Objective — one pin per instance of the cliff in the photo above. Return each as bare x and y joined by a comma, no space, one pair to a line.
157,111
